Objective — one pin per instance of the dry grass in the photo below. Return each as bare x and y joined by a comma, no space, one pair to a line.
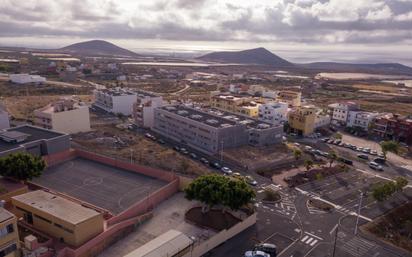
383,88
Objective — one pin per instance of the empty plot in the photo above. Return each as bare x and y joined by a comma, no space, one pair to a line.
101,185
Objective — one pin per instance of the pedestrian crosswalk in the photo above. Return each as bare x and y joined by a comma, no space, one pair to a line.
344,210
314,210
310,239
285,206
357,246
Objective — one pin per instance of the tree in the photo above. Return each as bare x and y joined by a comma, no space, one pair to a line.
308,164
214,189
383,191
337,135
389,146
401,182
332,158
297,153
21,166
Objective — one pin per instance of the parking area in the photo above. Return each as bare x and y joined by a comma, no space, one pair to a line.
101,185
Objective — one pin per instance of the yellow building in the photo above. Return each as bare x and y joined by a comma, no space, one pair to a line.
239,105
56,216
302,120
9,237
292,98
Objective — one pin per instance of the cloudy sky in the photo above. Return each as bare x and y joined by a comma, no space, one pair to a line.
337,25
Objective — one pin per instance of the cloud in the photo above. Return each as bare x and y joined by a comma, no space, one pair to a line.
305,21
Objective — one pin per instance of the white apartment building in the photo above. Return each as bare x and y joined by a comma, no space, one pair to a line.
4,118
116,100
322,119
340,112
65,116
143,108
26,78
361,119
273,112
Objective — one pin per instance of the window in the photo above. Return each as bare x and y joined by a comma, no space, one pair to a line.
7,250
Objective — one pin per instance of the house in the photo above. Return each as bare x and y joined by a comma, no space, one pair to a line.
143,108
54,215
322,119
360,119
340,112
292,98
26,78
239,105
273,112
302,120
9,237
66,116
117,101
393,127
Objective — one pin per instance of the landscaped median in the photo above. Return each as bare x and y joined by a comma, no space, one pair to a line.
321,205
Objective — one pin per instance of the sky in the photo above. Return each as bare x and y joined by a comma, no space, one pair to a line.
343,29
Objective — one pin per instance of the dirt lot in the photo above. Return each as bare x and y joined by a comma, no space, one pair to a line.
121,143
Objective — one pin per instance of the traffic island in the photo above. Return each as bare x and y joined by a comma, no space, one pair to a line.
321,205
271,197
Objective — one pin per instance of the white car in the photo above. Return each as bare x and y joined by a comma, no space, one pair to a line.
226,170
256,254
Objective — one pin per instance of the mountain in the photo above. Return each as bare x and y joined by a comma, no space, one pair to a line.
385,68
259,56
97,47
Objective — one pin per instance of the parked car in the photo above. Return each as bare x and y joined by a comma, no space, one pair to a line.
363,156
256,254
161,141
204,161
375,166
337,142
251,181
150,136
308,148
193,156
236,175
374,152
184,151
381,155
176,148
215,165
365,150
325,139
359,149
346,161
380,160
226,170
267,248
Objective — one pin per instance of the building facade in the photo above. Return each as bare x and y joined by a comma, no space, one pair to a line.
239,105
273,112
322,120
302,120
9,237
143,109
211,130
4,118
292,98
66,116
393,127
56,216
360,119
340,112
117,101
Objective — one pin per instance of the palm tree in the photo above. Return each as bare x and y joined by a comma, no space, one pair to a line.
297,153
308,164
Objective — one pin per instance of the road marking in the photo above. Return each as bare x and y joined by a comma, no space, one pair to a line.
314,242
310,240
304,238
313,235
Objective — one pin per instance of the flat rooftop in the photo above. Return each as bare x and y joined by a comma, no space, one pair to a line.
116,92
145,93
34,134
56,206
101,185
199,116
5,215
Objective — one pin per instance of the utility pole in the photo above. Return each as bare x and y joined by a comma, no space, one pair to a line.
359,209
221,152
336,239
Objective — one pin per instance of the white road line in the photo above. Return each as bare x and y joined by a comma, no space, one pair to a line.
310,240
315,236
304,238
314,242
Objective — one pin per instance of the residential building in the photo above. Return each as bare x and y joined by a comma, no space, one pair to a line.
56,216
66,116
4,118
239,105
393,127
273,112
143,109
34,140
322,119
9,237
292,98
26,78
255,90
302,120
361,119
211,130
340,112
117,101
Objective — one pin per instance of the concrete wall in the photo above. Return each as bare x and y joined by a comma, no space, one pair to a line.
72,121
123,104
221,237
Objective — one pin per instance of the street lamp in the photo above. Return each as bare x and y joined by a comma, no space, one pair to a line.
359,209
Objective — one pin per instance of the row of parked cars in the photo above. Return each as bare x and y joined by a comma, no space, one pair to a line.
212,164
375,164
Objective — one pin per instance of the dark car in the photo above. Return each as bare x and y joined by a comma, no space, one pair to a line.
176,148
267,248
363,156
193,156
380,160
346,161
215,165
161,141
